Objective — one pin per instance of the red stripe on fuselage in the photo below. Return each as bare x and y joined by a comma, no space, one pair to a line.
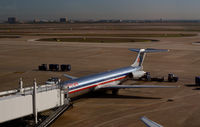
97,85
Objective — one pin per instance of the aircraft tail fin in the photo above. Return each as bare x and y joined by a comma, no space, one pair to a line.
141,55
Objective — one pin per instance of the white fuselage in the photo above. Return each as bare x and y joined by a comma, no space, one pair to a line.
93,82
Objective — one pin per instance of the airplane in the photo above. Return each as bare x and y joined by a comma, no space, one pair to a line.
149,123
111,80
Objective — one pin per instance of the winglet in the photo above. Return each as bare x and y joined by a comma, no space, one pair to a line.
69,77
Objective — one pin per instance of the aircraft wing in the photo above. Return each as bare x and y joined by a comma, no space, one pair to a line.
135,86
149,123
70,77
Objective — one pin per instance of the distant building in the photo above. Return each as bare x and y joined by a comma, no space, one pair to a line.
12,20
63,20
36,21
71,21
161,20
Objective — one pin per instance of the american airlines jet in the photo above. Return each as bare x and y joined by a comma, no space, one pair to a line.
111,80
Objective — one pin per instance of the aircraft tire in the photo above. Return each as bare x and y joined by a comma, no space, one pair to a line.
115,92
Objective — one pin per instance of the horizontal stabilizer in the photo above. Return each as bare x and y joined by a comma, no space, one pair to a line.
150,123
156,50
70,77
148,50
135,86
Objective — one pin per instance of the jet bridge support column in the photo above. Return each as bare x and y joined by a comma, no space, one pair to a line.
60,91
34,100
21,86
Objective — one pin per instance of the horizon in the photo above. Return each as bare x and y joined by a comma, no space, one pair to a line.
100,20
26,10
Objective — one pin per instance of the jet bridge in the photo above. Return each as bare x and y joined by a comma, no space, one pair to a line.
31,100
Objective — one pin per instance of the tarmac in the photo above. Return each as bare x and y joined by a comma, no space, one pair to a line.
173,107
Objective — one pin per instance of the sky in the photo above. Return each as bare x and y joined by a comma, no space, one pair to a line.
99,9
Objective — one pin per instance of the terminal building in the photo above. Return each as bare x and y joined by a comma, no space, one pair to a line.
12,20
63,20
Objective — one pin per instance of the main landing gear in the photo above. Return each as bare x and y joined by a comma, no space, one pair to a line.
115,92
